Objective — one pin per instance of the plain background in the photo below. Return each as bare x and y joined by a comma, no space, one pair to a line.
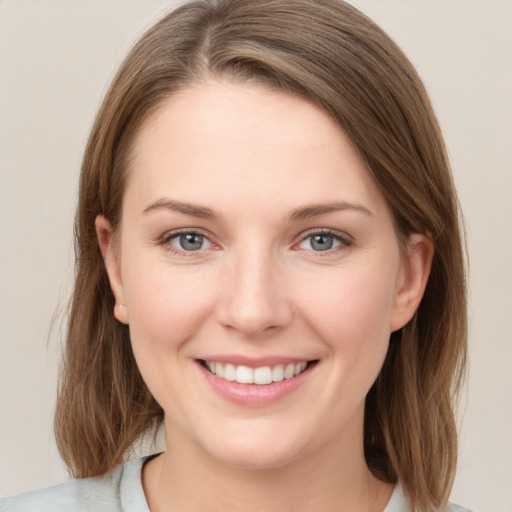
56,59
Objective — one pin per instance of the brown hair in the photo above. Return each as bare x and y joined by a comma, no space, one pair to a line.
331,54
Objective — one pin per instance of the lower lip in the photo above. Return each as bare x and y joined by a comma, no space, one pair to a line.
255,395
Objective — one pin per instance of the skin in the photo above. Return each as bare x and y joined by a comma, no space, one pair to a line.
258,287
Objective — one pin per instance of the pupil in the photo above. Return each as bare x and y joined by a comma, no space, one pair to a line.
191,242
321,242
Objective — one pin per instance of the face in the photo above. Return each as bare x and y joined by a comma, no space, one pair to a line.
259,271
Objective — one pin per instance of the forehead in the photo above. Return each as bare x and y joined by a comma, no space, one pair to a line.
226,139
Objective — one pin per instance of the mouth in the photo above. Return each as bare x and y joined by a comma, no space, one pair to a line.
260,376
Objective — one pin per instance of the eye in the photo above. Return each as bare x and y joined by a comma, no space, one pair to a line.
323,241
188,241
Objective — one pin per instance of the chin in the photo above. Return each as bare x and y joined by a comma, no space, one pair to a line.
256,459
257,450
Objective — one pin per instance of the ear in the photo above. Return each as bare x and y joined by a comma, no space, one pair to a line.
112,264
412,280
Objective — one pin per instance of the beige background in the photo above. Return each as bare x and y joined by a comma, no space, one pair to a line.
56,59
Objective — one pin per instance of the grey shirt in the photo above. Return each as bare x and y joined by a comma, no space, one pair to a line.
119,491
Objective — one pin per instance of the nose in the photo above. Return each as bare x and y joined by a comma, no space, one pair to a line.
253,297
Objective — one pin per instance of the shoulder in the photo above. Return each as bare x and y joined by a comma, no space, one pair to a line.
399,503
458,508
99,494
121,489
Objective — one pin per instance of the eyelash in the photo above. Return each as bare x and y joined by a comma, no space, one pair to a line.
343,239
168,237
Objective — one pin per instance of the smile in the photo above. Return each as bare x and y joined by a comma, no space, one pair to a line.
260,376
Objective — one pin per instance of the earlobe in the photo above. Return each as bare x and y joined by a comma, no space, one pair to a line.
112,264
413,280
121,313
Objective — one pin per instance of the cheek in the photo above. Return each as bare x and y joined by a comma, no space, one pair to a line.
352,319
166,309
352,312
165,305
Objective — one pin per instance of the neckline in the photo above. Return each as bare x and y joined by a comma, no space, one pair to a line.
133,498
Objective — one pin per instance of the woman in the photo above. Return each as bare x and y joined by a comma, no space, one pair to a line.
269,264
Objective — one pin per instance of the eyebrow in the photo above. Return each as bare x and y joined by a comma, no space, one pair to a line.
315,210
186,208
302,213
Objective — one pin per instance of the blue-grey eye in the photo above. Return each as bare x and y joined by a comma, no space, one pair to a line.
320,242
190,242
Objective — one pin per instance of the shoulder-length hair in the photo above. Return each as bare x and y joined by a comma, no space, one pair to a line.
331,54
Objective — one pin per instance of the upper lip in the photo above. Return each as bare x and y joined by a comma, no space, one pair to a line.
254,362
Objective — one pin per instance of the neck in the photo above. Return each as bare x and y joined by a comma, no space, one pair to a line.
333,478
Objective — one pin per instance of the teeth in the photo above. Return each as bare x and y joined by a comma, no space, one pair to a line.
261,376
289,371
278,373
243,374
219,370
229,372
